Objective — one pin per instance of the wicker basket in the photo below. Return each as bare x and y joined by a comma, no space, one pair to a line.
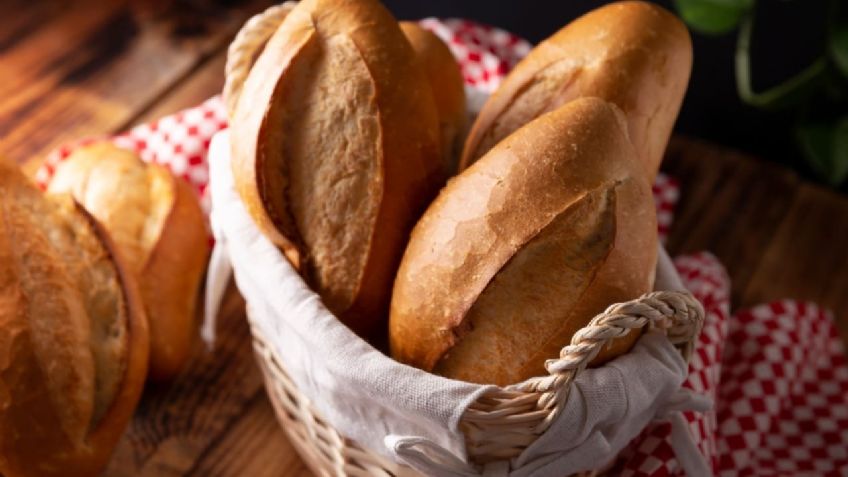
324,450
501,423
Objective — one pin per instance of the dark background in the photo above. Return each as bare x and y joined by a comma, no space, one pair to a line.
788,36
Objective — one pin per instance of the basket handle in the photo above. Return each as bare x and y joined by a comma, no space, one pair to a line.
539,401
246,47
677,313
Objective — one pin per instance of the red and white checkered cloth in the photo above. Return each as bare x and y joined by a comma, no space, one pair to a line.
777,372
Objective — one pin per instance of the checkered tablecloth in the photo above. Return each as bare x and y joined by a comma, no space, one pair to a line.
777,372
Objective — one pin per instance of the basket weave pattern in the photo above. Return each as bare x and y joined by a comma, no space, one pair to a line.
325,451
502,423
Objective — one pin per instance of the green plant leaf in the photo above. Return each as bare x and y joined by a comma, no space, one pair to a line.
790,93
839,48
713,17
825,146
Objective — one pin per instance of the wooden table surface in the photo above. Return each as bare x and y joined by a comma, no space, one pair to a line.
98,67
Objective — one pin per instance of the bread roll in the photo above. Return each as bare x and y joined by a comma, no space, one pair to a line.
633,54
335,145
73,336
523,248
158,225
447,85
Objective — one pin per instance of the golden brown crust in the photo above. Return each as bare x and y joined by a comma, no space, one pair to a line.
130,199
448,88
156,221
68,310
171,281
634,54
524,247
325,156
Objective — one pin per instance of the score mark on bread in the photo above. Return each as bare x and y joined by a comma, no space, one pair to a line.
524,247
335,145
157,224
73,336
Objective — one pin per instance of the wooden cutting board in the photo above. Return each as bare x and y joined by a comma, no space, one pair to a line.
99,67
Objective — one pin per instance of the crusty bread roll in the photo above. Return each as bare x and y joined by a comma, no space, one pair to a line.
447,85
633,54
523,248
335,144
156,222
73,336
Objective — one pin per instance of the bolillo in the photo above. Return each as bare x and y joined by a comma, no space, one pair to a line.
524,247
156,222
634,54
448,88
335,150
73,336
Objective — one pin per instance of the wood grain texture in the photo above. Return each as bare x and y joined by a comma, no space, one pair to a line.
90,69
175,423
253,446
730,205
207,80
23,17
807,258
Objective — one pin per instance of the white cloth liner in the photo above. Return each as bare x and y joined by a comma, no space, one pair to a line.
412,416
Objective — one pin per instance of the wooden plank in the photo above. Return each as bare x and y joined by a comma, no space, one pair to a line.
175,423
205,82
61,45
23,17
91,70
255,446
808,257
730,205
